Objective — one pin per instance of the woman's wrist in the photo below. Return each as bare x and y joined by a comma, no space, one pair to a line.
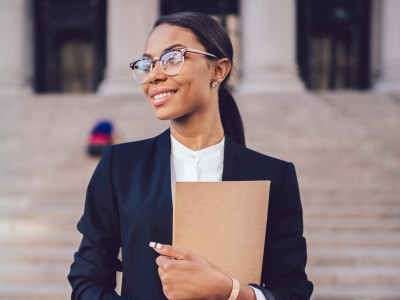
225,288
246,293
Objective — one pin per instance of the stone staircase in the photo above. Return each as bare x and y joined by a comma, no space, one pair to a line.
345,147
354,245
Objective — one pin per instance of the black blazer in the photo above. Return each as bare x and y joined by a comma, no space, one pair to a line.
129,203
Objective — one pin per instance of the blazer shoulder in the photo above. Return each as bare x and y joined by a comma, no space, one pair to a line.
140,146
261,159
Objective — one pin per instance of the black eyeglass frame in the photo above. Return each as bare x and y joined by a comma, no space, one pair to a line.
183,51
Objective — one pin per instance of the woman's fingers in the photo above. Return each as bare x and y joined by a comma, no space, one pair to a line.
162,261
185,275
171,251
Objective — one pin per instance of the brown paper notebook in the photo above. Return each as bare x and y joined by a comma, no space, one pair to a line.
225,223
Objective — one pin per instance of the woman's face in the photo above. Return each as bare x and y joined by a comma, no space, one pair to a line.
189,91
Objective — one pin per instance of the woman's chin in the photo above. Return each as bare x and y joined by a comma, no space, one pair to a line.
162,115
165,113
163,118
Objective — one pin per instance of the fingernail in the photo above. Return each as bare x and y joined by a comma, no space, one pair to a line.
155,245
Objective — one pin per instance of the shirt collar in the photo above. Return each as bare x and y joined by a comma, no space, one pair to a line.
181,151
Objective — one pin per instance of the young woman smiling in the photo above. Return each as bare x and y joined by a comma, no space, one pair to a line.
186,63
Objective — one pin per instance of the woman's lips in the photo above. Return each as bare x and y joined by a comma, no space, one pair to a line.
161,98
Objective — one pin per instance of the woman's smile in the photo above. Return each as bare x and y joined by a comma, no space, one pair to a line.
161,95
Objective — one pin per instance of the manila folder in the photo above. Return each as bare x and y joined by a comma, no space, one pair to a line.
225,223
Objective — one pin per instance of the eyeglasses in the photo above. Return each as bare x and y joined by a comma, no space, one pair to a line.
171,63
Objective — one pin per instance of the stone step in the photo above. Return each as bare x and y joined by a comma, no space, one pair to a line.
41,239
310,198
39,273
353,211
49,215
41,199
38,225
44,254
350,239
15,185
356,292
378,276
319,224
354,257
27,205
60,291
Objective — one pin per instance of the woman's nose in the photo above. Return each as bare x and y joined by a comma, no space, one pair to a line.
157,74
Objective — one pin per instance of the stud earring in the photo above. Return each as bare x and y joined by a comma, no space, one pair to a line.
214,84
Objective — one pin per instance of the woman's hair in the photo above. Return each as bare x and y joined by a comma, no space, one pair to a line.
213,36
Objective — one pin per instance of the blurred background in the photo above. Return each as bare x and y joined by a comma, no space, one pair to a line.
317,83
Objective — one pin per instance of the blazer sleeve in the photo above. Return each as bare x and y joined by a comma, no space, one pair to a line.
93,271
285,255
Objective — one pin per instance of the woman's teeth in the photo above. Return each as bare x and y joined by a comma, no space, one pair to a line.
163,95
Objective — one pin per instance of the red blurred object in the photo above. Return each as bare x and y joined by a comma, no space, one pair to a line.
100,137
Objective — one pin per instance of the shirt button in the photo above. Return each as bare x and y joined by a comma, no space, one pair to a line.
196,157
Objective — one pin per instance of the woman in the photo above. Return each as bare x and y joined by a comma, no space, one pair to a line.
185,65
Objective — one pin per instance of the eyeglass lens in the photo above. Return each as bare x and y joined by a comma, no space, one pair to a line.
171,63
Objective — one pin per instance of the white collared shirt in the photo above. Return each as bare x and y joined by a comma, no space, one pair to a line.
202,165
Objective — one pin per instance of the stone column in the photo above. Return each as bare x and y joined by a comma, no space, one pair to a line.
128,25
16,58
268,61
389,62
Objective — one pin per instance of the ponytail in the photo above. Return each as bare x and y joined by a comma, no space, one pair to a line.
230,116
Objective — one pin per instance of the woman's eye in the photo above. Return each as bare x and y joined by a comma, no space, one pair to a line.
145,66
171,58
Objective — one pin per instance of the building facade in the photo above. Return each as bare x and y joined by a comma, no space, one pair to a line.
281,45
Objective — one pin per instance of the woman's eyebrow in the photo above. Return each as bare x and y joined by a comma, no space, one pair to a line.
166,49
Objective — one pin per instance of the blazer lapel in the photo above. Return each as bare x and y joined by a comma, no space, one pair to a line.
163,176
232,167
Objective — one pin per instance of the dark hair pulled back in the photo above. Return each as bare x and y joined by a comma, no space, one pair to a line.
213,36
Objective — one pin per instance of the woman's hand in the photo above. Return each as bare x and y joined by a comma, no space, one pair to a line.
185,275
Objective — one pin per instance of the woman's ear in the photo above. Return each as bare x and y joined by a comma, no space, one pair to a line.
222,67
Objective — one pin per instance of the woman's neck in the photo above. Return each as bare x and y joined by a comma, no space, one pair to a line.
198,135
